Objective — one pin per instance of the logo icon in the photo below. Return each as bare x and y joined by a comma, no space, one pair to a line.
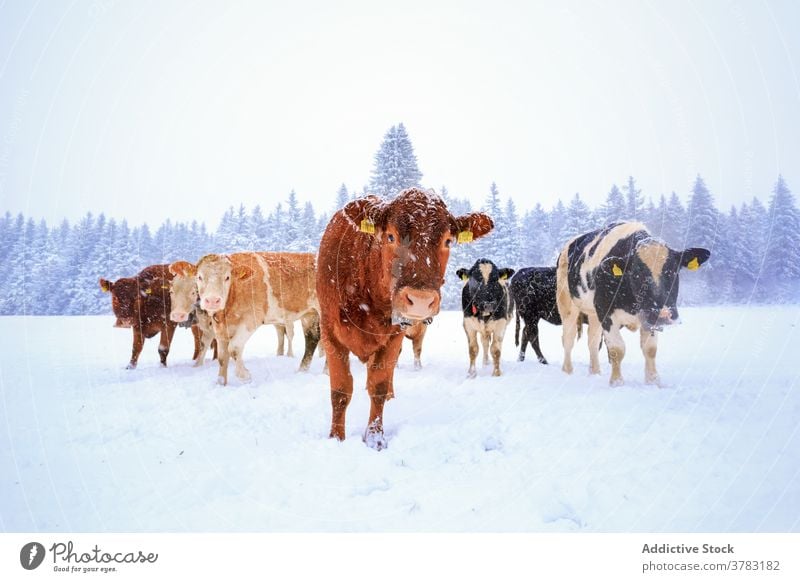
31,555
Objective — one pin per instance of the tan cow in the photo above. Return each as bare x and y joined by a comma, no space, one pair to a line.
185,309
243,291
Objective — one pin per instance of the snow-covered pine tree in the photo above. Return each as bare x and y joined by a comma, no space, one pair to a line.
342,198
674,229
558,217
782,264
634,201
395,164
577,220
538,249
511,237
615,208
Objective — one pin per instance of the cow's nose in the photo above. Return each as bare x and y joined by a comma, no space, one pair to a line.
212,302
178,316
419,303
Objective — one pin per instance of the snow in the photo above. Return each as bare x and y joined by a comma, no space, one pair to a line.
90,446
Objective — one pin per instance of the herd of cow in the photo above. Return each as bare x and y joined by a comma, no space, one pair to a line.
377,279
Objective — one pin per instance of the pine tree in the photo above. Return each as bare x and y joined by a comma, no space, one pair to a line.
577,219
634,200
395,164
615,207
783,246
538,247
674,229
342,198
702,217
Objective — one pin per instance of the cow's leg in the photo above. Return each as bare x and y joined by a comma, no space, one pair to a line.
198,343
523,343
485,340
165,340
569,329
593,337
649,342
311,332
616,352
236,351
380,375
471,329
338,358
498,328
138,342
281,332
223,355
206,340
416,343
290,338
535,341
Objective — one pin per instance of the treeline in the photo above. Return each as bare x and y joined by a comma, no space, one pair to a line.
53,270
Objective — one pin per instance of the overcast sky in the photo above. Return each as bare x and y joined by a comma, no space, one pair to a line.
155,110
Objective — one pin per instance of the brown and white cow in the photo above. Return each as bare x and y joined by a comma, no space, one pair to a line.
142,303
243,291
620,276
381,267
186,309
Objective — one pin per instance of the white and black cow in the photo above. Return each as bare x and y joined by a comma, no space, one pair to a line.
620,276
486,303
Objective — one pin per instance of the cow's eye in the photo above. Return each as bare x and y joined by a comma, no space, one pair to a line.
390,238
228,278
448,242
199,277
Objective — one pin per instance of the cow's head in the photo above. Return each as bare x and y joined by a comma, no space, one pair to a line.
414,233
182,291
124,299
485,288
215,275
652,275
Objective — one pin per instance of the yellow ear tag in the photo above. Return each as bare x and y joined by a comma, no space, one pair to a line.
148,291
693,265
464,277
503,277
465,236
616,270
104,288
165,286
367,226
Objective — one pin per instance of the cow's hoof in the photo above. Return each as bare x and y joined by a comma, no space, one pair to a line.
616,382
653,381
567,369
198,364
497,372
222,381
336,434
163,364
542,361
472,373
417,365
375,440
130,367
521,358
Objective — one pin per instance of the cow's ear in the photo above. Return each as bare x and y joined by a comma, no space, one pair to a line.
106,285
463,274
366,213
183,269
472,226
506,274
242,272
694,257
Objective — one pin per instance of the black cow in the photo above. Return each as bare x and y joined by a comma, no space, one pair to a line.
533,291
620,276
486,303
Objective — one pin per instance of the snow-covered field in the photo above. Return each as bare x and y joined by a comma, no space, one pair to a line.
86,445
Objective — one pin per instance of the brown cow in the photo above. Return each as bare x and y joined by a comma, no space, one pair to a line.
381,266
143,304
243,291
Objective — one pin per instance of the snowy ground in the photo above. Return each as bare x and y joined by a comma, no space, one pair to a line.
88,446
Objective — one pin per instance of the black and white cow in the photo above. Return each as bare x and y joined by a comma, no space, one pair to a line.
486,303
533,291
619,276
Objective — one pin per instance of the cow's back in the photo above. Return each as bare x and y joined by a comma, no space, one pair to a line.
534,293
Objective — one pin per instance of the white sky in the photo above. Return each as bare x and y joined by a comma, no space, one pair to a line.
155,110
